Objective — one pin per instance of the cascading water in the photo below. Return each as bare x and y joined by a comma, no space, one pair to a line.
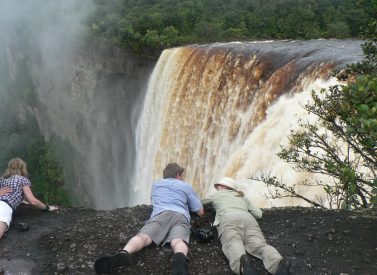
220,109
225,110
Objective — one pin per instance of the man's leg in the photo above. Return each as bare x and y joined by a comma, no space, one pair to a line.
179,246
137,243
180,250
107,264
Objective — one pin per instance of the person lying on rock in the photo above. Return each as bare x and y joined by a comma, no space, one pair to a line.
169,224
239,232
14,187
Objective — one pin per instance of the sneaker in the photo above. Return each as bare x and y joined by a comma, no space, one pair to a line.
179,264
107,264
283,268
245,266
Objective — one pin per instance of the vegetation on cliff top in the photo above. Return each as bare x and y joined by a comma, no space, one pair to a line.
149,26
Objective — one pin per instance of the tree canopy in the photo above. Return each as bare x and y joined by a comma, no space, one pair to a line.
149,26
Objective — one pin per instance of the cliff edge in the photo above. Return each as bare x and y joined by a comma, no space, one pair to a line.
317,241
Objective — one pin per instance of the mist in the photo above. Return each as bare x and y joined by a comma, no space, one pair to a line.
80,91
90,96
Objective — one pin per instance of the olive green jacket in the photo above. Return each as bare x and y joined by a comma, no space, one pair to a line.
227,202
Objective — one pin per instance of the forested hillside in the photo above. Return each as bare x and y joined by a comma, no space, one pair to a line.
148,26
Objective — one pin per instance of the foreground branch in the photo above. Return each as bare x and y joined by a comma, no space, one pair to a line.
273,181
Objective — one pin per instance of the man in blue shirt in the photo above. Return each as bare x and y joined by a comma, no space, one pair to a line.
169,224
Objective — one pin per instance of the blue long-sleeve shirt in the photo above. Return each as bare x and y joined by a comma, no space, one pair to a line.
175,195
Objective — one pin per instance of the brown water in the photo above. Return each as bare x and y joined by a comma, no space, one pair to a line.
225,110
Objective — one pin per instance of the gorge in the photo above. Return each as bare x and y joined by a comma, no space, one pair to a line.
217,109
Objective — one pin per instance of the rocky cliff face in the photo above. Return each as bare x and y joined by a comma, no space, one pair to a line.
92,103
317,242
89,97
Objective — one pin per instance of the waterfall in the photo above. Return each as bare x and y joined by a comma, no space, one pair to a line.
219,109
225,110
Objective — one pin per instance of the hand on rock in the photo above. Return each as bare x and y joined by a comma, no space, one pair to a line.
53,208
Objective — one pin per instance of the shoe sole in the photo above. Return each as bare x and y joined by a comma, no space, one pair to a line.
107,264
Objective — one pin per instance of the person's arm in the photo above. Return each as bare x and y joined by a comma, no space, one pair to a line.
194,203
29,196
5,190
206,201
197,205
200,212
254,210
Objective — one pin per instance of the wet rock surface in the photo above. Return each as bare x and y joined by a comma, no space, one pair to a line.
68,242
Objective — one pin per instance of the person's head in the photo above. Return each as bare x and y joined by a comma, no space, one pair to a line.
229,184
16,166
172,170
225,183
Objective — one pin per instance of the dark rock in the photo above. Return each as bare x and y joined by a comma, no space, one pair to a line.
309,237
77,237
21,226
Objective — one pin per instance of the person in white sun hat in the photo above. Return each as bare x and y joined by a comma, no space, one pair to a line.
239,232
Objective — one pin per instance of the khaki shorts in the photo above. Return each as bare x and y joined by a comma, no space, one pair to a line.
5,213
167,226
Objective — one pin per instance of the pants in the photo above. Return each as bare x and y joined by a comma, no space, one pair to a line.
167,226
241,232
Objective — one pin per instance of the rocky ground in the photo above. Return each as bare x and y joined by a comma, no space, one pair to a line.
68,242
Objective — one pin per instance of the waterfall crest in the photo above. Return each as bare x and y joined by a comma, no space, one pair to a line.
225,110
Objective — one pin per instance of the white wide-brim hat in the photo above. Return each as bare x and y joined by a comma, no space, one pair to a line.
228,182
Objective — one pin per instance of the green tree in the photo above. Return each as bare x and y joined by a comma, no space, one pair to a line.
338,29
342,144
46,174
200,21
169,37
151,39
299,22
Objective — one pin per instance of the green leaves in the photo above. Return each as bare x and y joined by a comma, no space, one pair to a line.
342,143
201,21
